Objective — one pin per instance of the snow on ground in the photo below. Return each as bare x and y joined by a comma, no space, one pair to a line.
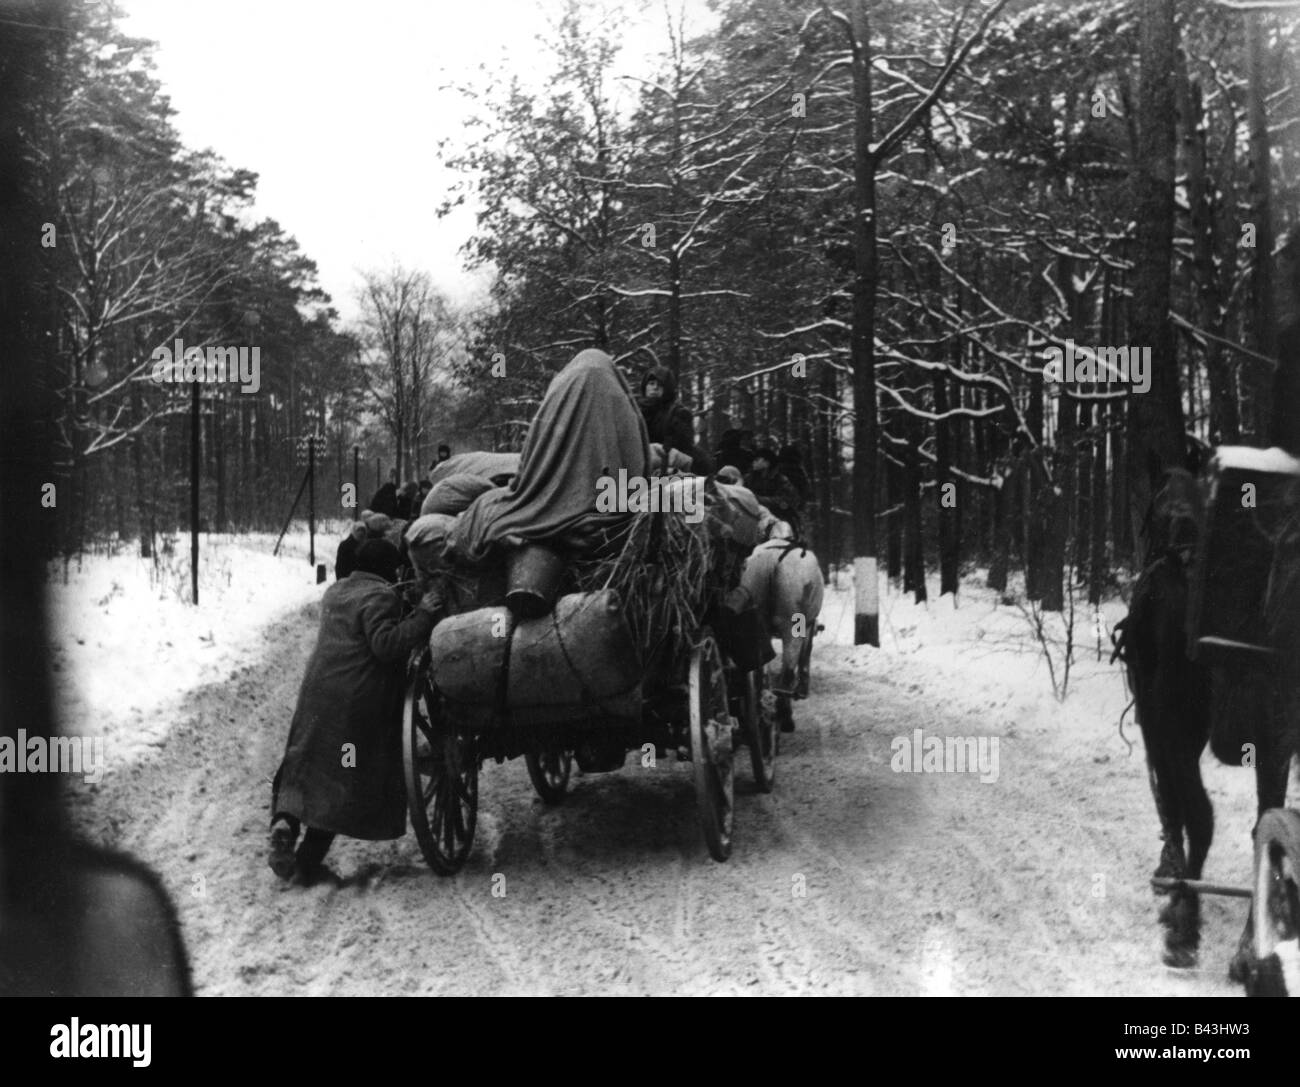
989,653
126,643
992,667
915,883
127,646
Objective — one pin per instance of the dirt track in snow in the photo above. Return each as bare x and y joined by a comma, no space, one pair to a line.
915,883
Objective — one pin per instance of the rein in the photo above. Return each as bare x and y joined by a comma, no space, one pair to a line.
792,545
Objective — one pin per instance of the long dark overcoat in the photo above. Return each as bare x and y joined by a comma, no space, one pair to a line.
352,695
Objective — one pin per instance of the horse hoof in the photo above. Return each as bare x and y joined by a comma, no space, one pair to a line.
1180,958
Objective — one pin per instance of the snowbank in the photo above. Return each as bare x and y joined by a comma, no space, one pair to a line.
126,644
988,655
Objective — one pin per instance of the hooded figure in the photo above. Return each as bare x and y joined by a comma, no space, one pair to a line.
345,561
771,486
384,500
408,502
586,428
789,463
667,422
736,449
342,767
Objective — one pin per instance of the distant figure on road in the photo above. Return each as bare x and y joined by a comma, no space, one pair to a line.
444,453
384,500
408,501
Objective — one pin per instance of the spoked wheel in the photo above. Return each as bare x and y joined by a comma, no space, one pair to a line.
441,774
760,728
550,774
711,747
1275,907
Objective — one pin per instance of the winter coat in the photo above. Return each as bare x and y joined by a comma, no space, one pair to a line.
346,559
775,491
342,768
384,500
798,479
669,423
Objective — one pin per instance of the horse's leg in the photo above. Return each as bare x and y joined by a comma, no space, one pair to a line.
790,648
805,665
785,687
1193,815
1179,915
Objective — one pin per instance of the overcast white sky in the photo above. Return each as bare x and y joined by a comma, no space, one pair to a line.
336,106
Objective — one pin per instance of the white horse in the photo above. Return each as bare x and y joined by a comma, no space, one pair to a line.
785,581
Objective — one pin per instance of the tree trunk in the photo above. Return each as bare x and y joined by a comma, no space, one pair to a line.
913,543
894,520
1258,375
866,621
1155,419
219,454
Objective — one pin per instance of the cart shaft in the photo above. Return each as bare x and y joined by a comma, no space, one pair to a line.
1200,886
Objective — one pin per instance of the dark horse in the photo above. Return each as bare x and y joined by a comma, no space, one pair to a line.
1241,705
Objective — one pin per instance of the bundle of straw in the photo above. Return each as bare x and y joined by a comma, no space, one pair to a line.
666,573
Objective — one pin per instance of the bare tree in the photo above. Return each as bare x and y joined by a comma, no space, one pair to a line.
406,330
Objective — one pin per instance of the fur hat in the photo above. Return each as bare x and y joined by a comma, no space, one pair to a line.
379,557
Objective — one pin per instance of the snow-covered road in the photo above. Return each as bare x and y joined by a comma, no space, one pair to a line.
849,878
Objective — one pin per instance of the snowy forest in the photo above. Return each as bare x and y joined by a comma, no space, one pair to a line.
864,230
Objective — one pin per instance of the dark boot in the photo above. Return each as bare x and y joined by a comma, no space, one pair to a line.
284,833
315,844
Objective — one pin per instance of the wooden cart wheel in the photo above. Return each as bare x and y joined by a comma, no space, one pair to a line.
1275,907
760,728
550,774
441,768
711,748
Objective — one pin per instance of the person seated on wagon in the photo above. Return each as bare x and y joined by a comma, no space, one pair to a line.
668,422
342,766
773,489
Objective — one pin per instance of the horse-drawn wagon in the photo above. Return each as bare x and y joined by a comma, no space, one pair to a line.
602,612
650,648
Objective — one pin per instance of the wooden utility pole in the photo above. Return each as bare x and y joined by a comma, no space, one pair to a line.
195,416
311,499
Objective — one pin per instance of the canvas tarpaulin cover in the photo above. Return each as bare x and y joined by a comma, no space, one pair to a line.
588,426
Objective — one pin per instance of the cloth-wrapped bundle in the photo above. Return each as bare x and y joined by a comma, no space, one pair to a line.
426,539
578,660
426,544
497,468
455,493
735,507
